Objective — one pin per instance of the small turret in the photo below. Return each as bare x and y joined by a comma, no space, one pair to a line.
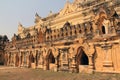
20,28
37,18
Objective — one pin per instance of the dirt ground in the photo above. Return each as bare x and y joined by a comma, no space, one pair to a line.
37,74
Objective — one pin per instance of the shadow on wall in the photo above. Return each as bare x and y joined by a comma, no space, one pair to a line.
1,60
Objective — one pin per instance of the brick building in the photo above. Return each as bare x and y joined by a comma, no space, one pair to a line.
83,37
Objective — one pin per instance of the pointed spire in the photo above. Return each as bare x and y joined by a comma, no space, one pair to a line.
19,24
67,1
50,13
37,18
79,1
36,15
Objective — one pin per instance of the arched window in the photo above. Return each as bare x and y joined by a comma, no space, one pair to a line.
75,32
103,29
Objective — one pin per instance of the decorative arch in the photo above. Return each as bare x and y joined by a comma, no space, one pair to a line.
83,51
54,51
102,16
79,46
88,48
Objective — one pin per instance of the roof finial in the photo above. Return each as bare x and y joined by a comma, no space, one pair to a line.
36,15
50,13
67,1
19,24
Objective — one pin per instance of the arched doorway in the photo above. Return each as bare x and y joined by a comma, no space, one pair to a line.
31,59
50,60
81,59
17,60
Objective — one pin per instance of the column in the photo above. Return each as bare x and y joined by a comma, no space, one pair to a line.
14,59
56,65
45,64
107,63
27,58
73,67
90,57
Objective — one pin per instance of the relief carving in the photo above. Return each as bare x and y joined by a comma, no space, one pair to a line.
67,9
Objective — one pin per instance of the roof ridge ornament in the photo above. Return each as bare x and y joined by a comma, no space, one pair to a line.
68,8
19,24
77,1
36,15
20,28
37,18
67,1
50,13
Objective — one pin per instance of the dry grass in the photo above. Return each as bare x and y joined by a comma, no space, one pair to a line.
37,74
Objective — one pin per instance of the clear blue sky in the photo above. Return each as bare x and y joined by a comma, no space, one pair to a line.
14,11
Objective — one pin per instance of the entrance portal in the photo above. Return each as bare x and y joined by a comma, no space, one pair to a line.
17,60
31,60
50,60
81,59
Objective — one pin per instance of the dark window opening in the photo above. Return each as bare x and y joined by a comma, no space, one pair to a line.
75,32
51,37
48,37
103,29
55,36
84,59
58,35
62,34
32,58
66,34
80,31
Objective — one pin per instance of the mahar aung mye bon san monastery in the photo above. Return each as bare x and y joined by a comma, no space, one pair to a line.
84,36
